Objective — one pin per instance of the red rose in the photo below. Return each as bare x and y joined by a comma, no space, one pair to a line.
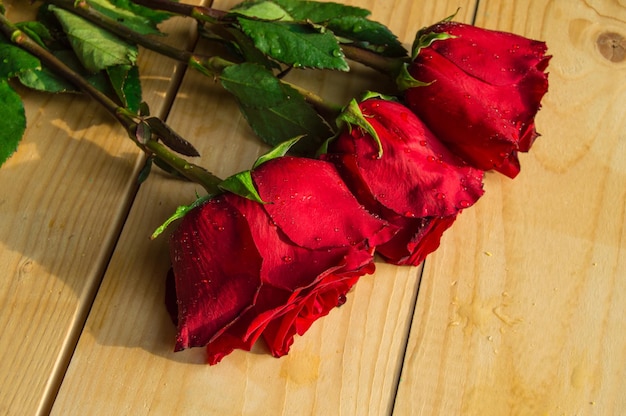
243,269
485,90
417,184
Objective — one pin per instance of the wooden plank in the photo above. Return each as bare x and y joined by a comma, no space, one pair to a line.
348,362
521,311
65,195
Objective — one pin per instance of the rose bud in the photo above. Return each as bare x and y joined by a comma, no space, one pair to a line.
483,90
416,184
244,269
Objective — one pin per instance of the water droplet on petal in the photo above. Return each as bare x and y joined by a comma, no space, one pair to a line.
423,143
440,196
287,259
464,204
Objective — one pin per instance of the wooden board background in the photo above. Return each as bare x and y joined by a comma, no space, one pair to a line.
520,312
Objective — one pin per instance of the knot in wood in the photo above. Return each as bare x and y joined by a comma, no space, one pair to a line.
612,46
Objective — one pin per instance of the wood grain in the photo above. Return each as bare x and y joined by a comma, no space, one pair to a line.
521,311
65,196
348,363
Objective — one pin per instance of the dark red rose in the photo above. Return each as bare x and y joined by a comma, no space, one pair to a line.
417,184
243,269
485,90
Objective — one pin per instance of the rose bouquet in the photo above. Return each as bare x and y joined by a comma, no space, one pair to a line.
266,252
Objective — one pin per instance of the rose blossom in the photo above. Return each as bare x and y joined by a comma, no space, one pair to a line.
485,89
243,269
417,184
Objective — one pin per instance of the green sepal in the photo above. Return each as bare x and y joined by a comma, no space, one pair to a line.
353,116
241,184
278,151
424,40
405,80
180,212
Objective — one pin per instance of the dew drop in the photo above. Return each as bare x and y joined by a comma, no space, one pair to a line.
341,300
423,143
409,214
464,204
287,259
337,53
440,196
431,158
407,150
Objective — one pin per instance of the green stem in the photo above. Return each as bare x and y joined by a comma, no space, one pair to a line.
122,115
386,65
202,13
209,66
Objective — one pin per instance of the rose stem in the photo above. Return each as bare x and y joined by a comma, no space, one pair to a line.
211,66
122,115
206,14
386,65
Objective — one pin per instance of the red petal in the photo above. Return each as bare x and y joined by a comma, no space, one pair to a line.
498,58
490,121
417,175
418,238
311,204
216,268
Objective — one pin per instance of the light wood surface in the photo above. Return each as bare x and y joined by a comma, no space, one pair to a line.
520,312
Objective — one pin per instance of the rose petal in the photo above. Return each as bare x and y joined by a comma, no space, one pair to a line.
490,120
417,175
498,58
417,238
311,204
210,291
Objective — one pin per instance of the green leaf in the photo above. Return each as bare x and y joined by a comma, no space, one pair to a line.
317,12
368,34
156,16
12,122
129,19
36,31
266,10
296,44
246,49
45,80
241,184
274,110
96,48
126,84
15,60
